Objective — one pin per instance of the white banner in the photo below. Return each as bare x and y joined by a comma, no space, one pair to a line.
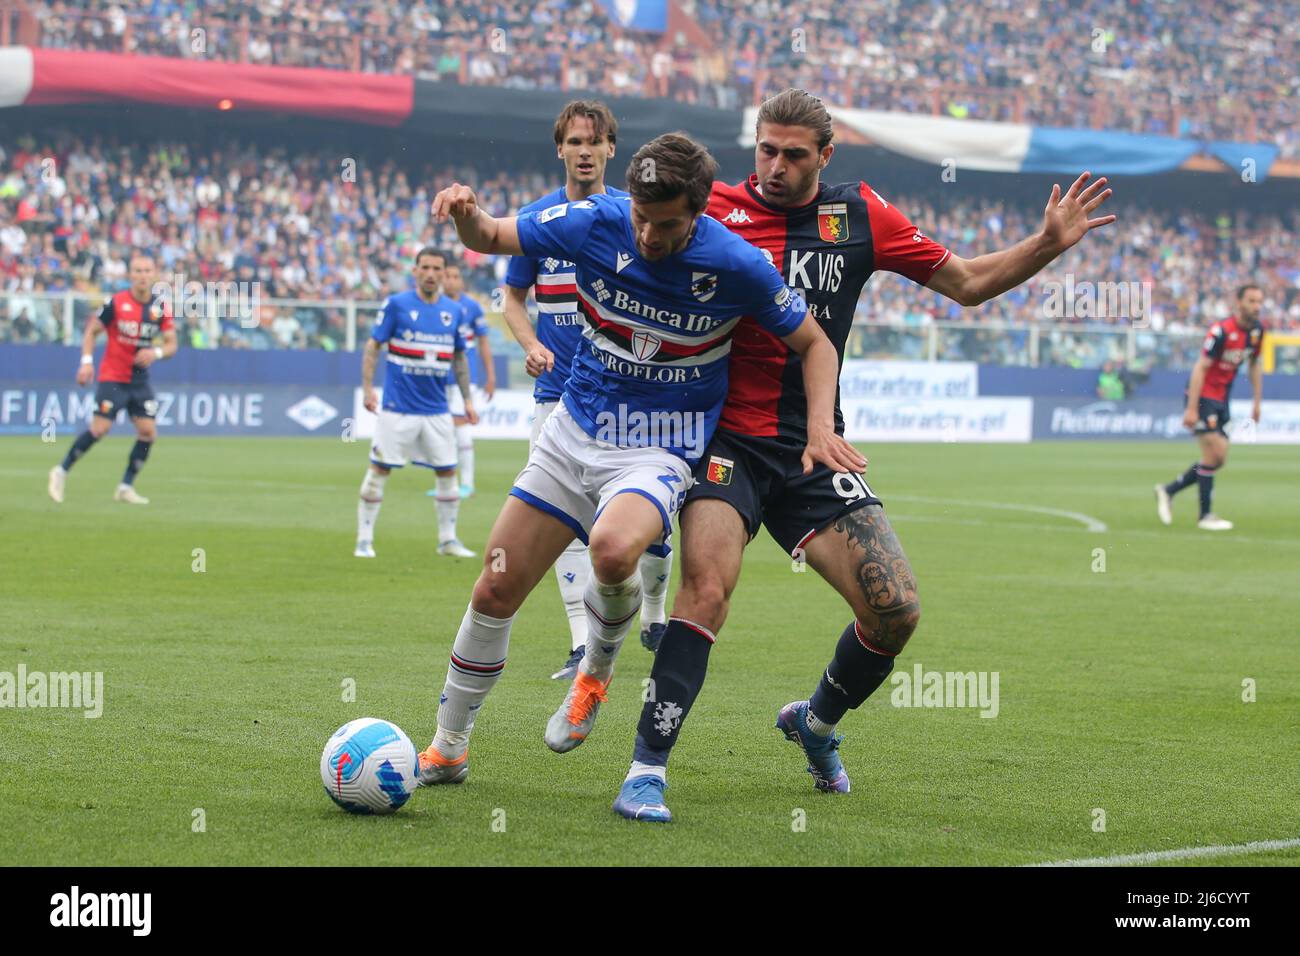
508,415
861,379
1279,423
939,420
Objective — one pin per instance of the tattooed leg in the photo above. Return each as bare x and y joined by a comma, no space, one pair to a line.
860,556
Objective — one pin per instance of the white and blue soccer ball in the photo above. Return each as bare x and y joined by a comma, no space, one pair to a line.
369,766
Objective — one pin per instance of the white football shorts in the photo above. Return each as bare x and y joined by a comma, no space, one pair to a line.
572,476
428,440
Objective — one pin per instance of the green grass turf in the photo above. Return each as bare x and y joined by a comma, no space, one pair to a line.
1118,690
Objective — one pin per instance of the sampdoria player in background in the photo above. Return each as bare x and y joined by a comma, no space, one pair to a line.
662,289
1229,343
422,333
585,134
132,318
482,376
826,240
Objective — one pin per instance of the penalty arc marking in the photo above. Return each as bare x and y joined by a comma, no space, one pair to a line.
1089,522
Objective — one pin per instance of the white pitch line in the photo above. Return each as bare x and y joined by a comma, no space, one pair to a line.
1186,853
1089,522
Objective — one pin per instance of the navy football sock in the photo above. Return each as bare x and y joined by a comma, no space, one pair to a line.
139,455
852,676
1185,480
79,448
1205,478
676,678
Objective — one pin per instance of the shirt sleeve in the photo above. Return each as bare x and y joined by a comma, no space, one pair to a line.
897,244
106,313
1214,342
776,307
521,273
1259,344
464,329
560,231
385,322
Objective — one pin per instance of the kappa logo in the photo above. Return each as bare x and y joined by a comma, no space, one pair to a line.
737,216
704,285
621,262
645,345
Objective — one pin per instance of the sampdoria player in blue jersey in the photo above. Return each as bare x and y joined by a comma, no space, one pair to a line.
585,134
661,289
421,332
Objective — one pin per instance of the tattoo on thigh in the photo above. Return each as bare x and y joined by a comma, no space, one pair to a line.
884,575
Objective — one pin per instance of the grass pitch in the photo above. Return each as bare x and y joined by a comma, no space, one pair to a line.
1119,690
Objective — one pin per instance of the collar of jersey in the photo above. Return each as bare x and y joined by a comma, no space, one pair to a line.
751,186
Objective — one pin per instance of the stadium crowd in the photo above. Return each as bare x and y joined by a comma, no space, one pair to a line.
296,223
1207,69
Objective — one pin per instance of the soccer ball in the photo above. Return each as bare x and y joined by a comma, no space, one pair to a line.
369,766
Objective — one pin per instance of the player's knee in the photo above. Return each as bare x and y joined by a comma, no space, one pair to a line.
99,427
891,628
703,599
494,595
614,555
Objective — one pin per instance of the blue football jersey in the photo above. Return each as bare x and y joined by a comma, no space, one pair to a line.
656,335
475,327
559,325
422,339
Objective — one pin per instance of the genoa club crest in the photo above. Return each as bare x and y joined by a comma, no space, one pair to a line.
720,470
833,222
644,345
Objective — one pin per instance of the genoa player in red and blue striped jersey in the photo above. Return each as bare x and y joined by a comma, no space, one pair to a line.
132,318
1236,339
826,240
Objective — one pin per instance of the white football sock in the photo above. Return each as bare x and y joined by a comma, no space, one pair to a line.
572,569
465,454
646,770
478,657
372,496
447,503
610,609
655,574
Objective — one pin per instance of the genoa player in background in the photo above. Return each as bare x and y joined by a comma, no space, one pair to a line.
1229,343
132,318
826,240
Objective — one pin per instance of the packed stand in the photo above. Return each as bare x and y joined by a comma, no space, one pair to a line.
1224,70
71,209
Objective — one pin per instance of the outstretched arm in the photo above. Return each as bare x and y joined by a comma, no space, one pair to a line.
1065,221
477,230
